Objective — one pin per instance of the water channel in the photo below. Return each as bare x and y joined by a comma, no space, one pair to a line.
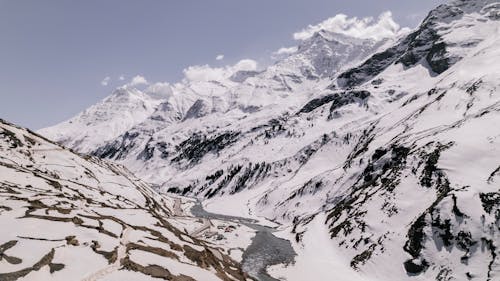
265,250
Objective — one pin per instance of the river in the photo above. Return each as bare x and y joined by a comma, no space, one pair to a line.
265,250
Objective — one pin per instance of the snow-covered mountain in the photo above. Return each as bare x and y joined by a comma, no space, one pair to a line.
66,216
106,120
382,157
239,90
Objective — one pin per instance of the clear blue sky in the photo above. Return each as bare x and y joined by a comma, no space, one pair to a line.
54,54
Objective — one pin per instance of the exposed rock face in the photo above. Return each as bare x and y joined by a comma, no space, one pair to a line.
426,45
390,163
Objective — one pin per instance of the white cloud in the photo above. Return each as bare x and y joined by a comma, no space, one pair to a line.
138,80
105,81
208,73
246,64
284,51
121,78
383,27
219,57
204,73
160,90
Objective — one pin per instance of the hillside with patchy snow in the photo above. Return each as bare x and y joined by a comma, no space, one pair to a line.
66,217
380,157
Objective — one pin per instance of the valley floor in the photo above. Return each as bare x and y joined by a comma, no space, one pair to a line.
272,253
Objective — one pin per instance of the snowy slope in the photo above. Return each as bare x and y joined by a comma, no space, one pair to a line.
104,121
381,157
65,217
419,186
237,89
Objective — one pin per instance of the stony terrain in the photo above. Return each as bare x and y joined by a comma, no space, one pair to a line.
379,158
67,217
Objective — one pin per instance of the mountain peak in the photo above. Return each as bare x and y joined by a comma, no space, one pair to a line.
445,36
378,157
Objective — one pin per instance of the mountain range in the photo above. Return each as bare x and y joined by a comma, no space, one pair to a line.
377,159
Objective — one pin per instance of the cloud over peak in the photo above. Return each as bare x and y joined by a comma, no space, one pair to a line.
383,27
284,51
208,73
138,80
105,81
160,90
